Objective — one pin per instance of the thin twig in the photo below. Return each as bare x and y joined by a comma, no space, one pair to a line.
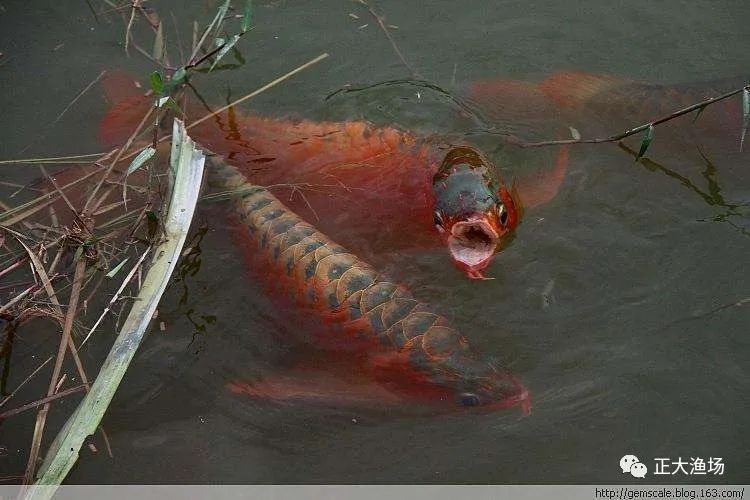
57,188
199,45
129,27
93,82
42,401
117,294
177,34
111,167
14,266
259,91
211,53
162,64
9,396
12,216
53,159
17,298
633,131
242,99
93,12
381,22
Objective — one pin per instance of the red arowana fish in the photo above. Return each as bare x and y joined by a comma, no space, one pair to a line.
603,105
377,181
395,339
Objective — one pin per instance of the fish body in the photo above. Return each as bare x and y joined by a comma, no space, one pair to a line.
374,188
399,341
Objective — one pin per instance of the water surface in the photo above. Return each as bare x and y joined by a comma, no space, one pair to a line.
615,304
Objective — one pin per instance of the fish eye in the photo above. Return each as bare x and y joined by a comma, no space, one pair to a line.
503,214
437,219
469,399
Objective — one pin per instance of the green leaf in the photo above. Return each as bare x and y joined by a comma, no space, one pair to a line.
139,160
179,77
226,48
168,102
645,143
157,84
117,268
699,113
220,17
172,104
247,17
745,114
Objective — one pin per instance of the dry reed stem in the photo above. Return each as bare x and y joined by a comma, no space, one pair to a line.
53,159
39,402
65,339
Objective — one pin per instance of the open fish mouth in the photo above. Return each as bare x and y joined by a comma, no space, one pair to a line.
472,243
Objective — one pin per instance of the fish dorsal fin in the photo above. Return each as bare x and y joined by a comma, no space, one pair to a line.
119,86
128,106
122,119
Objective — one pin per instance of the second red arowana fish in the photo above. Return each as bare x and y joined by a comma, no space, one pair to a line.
393,339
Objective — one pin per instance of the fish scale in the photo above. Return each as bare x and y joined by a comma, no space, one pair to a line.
342,282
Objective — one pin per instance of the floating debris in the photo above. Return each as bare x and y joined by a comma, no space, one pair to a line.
547,297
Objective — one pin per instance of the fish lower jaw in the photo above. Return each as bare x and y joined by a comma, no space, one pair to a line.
472,244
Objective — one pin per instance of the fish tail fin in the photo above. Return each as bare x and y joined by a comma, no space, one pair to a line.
570,89
510,100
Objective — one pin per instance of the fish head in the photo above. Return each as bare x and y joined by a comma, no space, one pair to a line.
470,379
472,209
481,383
496,391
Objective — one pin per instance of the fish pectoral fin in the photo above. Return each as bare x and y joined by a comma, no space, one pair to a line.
540,188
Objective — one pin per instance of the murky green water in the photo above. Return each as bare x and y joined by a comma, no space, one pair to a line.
619,303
